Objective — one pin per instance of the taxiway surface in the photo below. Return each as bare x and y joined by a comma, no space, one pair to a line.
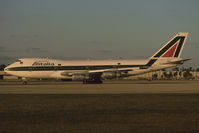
109,87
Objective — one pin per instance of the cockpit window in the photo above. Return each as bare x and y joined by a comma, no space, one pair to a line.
19,61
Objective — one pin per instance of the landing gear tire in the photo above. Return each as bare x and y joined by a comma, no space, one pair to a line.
99,82
25,82
92,81
149,80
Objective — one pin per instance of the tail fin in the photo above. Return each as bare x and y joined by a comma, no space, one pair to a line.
173,48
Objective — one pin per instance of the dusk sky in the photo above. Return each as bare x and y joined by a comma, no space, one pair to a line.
95,29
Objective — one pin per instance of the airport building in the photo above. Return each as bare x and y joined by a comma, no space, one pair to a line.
168,75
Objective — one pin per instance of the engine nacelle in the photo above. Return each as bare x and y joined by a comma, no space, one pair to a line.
78,76
109,75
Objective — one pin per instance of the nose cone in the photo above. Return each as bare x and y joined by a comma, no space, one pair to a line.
6,69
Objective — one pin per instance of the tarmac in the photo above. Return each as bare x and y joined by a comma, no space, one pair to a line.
108,87
159,106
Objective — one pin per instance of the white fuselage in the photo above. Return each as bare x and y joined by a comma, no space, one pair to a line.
48,68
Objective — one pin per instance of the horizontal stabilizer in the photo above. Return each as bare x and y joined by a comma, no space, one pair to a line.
178,61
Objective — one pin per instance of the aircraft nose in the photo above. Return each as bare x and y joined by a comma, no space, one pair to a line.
6,69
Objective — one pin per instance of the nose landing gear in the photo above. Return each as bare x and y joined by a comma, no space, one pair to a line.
24,81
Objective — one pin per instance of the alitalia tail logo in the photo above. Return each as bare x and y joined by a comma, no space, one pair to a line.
171,51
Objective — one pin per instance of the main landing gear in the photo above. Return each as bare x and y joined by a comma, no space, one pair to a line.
94,79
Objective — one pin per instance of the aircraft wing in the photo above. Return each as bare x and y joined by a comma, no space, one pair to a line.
113,70
97,72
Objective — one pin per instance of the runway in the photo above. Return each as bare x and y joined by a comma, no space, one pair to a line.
115,106
109,87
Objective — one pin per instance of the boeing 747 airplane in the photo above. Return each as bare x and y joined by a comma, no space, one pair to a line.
95,71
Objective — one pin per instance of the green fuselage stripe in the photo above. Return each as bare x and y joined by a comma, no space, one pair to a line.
60,68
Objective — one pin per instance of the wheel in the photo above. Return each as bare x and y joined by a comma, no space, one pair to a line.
99,82
92,82
25,82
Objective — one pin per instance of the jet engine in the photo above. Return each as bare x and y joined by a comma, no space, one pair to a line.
109,75
78,76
